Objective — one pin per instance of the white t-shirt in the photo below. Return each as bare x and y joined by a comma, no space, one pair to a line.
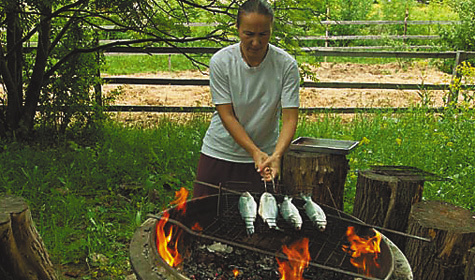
257,94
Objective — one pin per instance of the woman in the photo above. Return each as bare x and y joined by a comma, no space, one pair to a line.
252,83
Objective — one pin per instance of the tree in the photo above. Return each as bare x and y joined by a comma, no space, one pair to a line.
460,36
48,52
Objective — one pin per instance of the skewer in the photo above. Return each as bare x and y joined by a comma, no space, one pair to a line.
381,228
336,217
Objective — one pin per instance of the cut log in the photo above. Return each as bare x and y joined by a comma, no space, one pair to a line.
23,255
385,198
470,265
321,175
452,231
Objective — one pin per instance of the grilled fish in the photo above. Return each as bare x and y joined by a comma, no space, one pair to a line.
290,213
315,213
248,209
268,209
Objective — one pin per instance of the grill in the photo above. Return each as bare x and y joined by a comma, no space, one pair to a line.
220,219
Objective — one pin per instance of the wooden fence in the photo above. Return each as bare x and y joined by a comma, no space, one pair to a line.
458,57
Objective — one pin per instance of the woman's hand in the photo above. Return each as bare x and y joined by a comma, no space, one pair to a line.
270,168
259,159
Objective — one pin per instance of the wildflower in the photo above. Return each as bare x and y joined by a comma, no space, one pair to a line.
364,141
450,144
398,141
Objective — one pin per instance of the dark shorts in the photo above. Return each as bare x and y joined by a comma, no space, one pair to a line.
230,175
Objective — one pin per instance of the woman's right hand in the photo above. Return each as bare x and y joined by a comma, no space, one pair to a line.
259,158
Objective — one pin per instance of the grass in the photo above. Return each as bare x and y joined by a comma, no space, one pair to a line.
133,64
88,196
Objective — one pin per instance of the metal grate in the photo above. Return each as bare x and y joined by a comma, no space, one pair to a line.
325,247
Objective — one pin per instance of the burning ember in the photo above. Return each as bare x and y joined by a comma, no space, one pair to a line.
197,227
299,258
363,251
167,243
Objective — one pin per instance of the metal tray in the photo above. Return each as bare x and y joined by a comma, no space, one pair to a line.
320,145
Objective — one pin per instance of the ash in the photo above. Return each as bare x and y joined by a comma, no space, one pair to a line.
215,261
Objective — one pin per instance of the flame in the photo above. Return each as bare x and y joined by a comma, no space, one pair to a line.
235,272
168,250
167,243
299,258
363,251
180,199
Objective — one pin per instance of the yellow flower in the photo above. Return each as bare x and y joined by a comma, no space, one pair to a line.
450,144
398,141
364,141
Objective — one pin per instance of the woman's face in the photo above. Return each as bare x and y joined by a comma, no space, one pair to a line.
254,32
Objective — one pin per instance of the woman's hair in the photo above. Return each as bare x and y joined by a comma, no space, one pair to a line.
255,6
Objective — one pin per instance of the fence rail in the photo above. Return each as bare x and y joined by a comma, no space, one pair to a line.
208,109
205,82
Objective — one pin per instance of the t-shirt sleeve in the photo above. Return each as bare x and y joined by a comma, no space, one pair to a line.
219,82
291,86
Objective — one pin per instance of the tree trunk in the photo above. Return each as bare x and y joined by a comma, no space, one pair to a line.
470,265
32,95
386,200
321,175
452,231
15,68
23,255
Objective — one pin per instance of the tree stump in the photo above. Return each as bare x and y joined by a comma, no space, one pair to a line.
22,253
470,265
321,175
385,198
452,231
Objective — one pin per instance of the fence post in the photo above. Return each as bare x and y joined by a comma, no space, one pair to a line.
405,25
460,57
98,83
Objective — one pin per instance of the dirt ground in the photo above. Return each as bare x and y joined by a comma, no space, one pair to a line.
406,73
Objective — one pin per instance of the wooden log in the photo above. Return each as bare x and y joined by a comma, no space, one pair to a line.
23,255
385,200
470,264
321,175
452,231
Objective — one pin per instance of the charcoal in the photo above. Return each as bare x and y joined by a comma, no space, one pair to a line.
205,265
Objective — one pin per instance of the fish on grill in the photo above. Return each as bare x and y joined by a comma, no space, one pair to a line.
268,210
315,213
290,213
248,209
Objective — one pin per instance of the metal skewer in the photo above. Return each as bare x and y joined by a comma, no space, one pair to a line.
333,216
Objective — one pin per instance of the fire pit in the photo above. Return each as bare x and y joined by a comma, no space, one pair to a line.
219,222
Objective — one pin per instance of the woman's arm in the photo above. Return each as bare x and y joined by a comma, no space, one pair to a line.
226,113
289,126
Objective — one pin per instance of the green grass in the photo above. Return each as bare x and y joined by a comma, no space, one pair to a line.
132,64
88,197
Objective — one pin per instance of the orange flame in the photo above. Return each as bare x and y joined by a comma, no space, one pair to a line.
299,257
235,272
167,250
363,251
167,243
180,199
